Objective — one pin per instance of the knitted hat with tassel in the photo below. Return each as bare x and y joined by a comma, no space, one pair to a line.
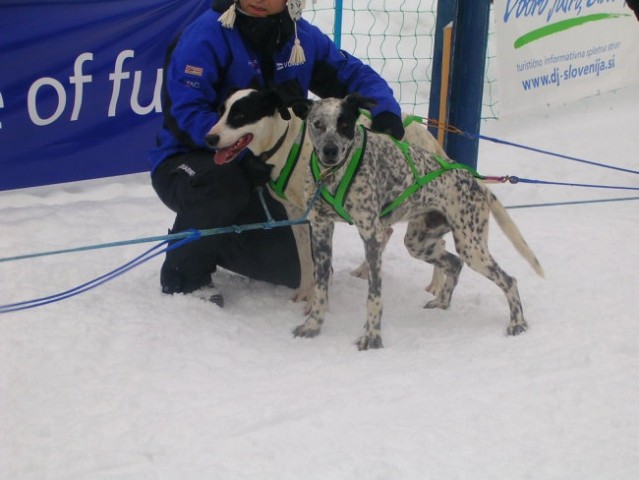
295,8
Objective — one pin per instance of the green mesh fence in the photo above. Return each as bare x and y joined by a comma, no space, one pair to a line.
396,38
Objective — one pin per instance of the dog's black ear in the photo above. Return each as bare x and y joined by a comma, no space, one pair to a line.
276,101
301,107
356,101
284,113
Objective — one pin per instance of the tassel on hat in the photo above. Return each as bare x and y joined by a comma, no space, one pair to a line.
227,19
295,8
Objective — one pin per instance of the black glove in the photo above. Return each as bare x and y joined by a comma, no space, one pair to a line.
387,122
634,5
257,171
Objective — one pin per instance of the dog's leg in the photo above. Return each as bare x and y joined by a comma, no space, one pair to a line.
423,241
417,134
473,249
304,292
439,277
436,282
362,270
374,241
322,239
492,271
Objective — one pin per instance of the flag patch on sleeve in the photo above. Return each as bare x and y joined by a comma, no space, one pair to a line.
191,70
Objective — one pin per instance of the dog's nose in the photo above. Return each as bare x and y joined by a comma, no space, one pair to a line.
329,153
212,140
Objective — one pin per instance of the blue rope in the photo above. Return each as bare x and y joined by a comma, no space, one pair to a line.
146,256
260,192
576,202
174,236
13,307
547,152
452,129
183,237
513,179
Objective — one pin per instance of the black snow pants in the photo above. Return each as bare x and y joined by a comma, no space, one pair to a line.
205,195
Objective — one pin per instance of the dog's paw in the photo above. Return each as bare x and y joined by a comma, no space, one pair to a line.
437,303
306,296
517,329
437,282
305,331
432,289
303,295
367,342
361,271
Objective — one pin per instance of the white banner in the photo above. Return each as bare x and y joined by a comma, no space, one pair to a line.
554,51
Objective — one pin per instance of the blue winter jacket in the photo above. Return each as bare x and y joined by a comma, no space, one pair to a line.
209,60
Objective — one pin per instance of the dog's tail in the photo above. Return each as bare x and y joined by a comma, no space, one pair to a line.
512,232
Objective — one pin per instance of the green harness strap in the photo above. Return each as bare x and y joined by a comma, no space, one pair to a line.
407,121
422,180
279,185
413,118
337,199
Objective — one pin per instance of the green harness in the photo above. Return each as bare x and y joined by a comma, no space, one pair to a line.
337,198
420,181
279,185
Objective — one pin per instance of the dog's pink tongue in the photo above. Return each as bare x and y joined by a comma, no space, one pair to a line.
225,155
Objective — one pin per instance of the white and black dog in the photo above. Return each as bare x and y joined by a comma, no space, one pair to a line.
374,196
259,121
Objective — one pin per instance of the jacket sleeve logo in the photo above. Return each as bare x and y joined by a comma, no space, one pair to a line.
191,70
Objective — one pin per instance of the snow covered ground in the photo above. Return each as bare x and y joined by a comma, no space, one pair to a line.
125,383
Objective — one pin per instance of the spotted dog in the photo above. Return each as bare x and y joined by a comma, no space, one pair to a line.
374,198
259,121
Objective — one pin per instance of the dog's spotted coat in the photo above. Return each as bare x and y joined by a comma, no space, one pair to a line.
455,202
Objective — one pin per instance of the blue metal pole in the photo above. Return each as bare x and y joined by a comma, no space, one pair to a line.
470,39
337,28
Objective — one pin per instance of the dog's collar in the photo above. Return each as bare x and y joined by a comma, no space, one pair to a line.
269,153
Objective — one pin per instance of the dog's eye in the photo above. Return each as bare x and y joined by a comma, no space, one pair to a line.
237,117
319,125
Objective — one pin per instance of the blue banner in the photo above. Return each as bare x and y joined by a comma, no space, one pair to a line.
80,86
